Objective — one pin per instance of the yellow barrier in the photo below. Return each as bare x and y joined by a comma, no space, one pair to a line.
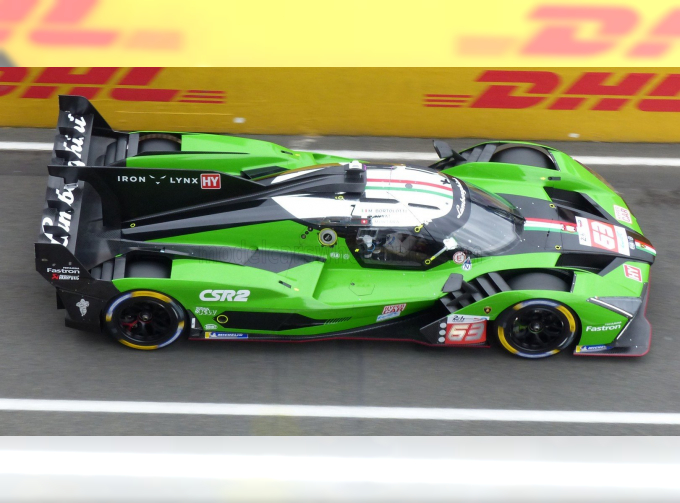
340,33
544,103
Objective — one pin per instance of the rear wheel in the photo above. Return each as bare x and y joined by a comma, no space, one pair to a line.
536,328
144,319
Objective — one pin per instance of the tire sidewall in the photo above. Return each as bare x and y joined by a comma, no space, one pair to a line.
566,312
174,308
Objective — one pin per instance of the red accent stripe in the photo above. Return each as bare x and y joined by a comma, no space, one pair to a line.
383,180
448,96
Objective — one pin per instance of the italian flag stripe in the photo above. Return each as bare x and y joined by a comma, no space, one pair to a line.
644,247
541,224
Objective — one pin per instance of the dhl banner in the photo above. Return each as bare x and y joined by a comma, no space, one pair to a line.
431,33
621,104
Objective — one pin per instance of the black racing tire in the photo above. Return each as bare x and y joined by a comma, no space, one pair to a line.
537,328
142,319
158,143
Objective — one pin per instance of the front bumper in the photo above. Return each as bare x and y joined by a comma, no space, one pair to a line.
634,340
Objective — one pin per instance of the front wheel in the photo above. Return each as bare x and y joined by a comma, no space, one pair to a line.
144,319
536,328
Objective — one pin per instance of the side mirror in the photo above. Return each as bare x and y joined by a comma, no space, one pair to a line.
443,149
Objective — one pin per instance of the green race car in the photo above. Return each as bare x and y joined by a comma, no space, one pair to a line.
155,235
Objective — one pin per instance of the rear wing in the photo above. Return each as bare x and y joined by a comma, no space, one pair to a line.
84,138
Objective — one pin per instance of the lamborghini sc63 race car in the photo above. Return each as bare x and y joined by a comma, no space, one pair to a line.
154,235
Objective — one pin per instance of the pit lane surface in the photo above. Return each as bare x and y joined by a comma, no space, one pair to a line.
42,359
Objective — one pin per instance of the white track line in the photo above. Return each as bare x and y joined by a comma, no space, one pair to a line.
376,155
342,469
343,412
24,145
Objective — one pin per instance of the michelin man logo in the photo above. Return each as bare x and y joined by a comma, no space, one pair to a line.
83,305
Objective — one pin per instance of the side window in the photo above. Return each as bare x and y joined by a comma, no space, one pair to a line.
392,247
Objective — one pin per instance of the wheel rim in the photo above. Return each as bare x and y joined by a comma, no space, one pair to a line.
538,329
145,322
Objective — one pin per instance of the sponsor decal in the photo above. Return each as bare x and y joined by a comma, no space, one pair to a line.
225,335
131,85
158,181
224,295
460,208
83,305
64,219
622,214
592,349
542,89
603,328
459,257
391,312
602,235
132,179
68,23
205,311
184,180
211,181
463,329
632,272
582,31
211,326
467,265
75,144
541,224
65,273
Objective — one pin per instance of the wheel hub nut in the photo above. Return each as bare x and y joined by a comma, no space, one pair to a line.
145,316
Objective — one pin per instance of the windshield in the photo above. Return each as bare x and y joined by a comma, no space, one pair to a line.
492,227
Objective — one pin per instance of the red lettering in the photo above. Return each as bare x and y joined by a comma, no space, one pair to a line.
501,96
86,92
40,92
140,76
123,94
610,104
566,103
5,90
12,11
4,34
559,40
667,27
591,84
670,86
13,74
91,38
94,76
69,11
